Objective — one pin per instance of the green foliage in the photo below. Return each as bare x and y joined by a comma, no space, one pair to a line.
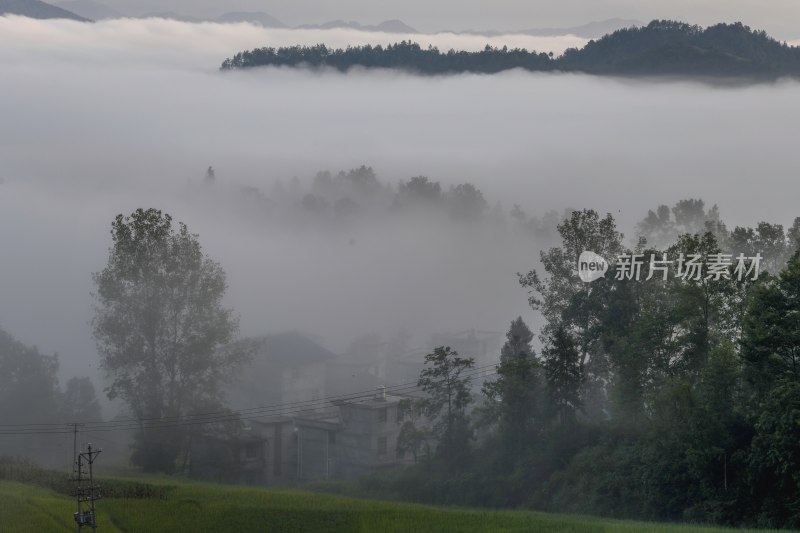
670,47
774,460
404,55
79,401
663,47
414,436
515,398
576,307
447,397
28,383
518,341
160,328
771,331
662,227
419,190
24,471
466,202
30,395
670,398
563,374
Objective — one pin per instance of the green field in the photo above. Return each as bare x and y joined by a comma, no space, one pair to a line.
195,508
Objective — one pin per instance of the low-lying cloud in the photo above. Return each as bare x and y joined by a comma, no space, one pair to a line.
100,119
204,45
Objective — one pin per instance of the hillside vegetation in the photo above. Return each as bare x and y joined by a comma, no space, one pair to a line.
660,48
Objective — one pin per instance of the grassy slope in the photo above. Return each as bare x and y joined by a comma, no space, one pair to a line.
198,508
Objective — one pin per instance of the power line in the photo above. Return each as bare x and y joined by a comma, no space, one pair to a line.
471,373
219,416
232,416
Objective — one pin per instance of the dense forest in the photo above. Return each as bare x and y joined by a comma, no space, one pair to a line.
669,398
660,48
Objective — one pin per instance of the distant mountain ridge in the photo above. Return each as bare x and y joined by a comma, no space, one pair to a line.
259,18
169,15
37,10
591,30
254,17
388,26
89,9
662,47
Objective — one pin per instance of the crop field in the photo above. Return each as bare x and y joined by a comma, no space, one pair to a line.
195,508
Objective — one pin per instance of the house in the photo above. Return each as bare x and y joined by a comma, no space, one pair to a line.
224,460
287,368
367,437
311,435
350,439
317,450
280,451
482,346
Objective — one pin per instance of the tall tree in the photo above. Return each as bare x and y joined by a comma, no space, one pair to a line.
561,297
566,302
448,396
514,397
563,374
518,341
774,459
661,227
769,240
28,394
419,190
79,402
466,202
771,331
414,435
159,327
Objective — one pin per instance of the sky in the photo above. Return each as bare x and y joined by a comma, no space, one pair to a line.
104,118
778,17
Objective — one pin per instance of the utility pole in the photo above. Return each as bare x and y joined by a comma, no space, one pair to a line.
76,470
75,426
89,494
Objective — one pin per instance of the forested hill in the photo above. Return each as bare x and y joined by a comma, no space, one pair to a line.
402,56
660,48
666,47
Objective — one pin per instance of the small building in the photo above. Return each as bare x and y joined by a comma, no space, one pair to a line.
348,440
483,346
287,368
317,448
240,460
356,437
280,454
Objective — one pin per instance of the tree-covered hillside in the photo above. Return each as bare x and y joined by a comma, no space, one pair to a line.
667,47
661,47
402,56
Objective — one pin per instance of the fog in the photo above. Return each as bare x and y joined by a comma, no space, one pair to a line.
202,46
101,119
776,16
